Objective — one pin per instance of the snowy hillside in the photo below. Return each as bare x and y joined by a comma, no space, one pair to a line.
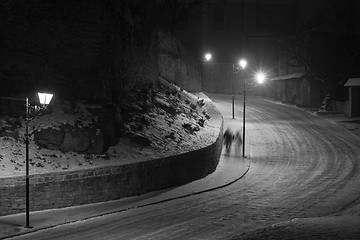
174,121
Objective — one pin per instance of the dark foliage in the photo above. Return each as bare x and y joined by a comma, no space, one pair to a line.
326,45
92,50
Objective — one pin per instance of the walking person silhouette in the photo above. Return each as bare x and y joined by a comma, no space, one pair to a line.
237,138
228,139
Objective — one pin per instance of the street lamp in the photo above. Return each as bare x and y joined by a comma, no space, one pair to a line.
260,78
44,99
208,57
242,63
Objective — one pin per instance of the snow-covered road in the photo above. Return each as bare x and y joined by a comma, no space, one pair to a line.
301,166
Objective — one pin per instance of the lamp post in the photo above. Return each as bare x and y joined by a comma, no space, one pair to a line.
260,78
242,64
207,57
27,221
44,99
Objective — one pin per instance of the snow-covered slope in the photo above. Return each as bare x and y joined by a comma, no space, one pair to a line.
175,121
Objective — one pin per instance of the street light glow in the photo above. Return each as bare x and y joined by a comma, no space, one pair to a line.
45,98
242,63
208,57
260,78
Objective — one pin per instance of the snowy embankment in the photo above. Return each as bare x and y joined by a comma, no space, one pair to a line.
168,138
176,122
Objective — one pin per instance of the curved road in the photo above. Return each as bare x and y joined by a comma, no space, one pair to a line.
301,166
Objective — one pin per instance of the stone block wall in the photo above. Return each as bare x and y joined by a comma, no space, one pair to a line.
63,189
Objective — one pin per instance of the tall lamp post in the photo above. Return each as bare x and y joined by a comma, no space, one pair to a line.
44,99
242,63
260,78
207,57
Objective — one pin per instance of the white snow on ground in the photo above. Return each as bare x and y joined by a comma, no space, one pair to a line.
342,227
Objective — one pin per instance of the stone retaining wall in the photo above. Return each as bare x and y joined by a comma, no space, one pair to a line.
63,189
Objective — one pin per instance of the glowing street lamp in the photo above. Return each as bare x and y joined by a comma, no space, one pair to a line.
208,57
242,63
44,99
260,78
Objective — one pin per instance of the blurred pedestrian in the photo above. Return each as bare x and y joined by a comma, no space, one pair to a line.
228,139
238,138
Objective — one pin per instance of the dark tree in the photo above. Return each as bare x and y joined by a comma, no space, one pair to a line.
326,46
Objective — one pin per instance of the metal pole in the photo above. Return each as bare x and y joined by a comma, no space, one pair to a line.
202,77
27,165
243,150
232,86
233,100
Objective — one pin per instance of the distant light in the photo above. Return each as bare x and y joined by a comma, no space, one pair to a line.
208,57
45,98
260,78
243,63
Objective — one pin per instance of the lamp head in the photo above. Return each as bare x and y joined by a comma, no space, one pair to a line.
260,77
45,98
242,63
208,57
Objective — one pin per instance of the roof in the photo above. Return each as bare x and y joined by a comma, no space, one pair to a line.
289,76
352,82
